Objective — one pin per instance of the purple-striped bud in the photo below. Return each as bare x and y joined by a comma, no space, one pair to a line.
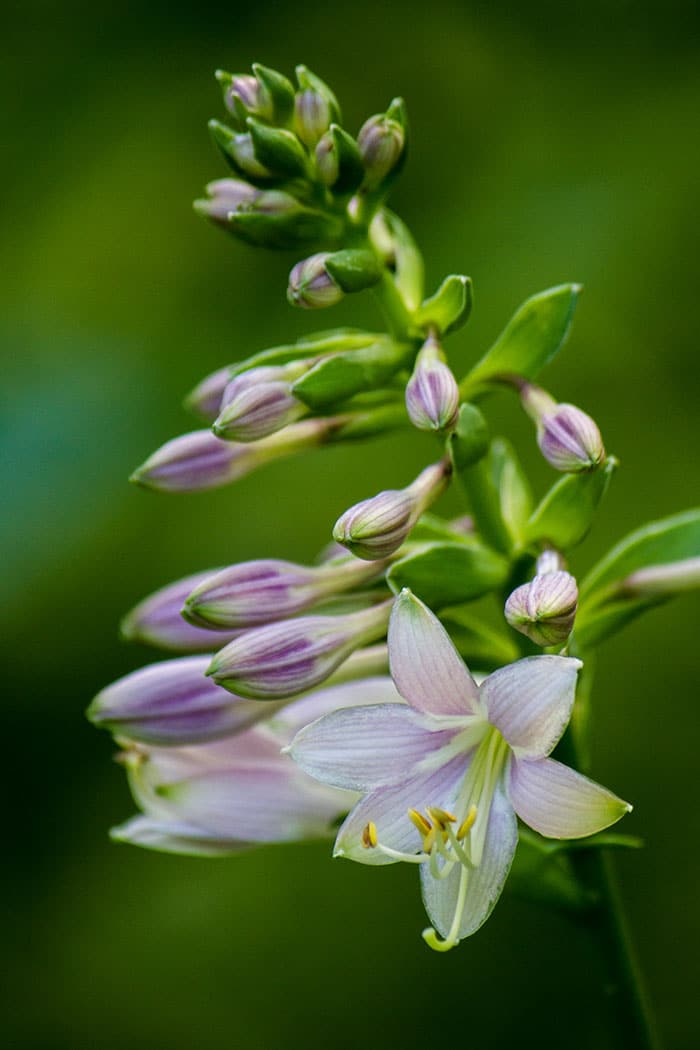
544,609
259,592
432,393
199,460
251,410
381,141
312,116
245,95
157,620
282,659
377,527
568,438
205,399
172,702
311,286
225,196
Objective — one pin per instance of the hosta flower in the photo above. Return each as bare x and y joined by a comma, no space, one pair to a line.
226,795
444,778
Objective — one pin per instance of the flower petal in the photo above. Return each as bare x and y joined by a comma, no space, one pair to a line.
426,667
362,748
559,802
530,702
174,838
484,882
378,689
387,808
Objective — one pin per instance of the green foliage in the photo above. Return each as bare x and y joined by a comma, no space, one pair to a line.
443,574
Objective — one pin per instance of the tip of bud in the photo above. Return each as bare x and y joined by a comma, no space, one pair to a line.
544,609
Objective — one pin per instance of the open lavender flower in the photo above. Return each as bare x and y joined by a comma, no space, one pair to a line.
444,778
226,795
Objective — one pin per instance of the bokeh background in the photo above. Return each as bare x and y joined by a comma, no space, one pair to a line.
551,142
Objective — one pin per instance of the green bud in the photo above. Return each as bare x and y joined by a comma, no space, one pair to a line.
238,151
279,90
338,161
382,142
245,96
308,81
353,270
279,151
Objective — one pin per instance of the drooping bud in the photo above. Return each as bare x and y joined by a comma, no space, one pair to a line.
544,609
259,592
157,620
172,702
432,393
381,141
200,460
377,527
281,659
311,286
568,438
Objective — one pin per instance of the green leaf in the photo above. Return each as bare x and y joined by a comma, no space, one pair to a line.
530,340
353,269
658,543
607,605
449,308
340,376
449,573
351,170
515,493
278,150
480,645
565,515
288,229
393,234
431,527
334,341
280,90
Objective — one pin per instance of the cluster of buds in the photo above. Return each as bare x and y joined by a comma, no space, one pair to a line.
210,737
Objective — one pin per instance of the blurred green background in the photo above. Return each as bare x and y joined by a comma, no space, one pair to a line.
550,142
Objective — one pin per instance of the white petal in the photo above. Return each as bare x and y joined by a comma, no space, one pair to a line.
173,838
559,802
484,883
388,807
362,748
530,702
426,667
376,690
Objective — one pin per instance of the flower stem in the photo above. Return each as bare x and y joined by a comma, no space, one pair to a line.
622,980
393,306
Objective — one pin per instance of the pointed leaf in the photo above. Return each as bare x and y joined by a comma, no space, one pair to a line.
449,308
340,376
565,515
450,573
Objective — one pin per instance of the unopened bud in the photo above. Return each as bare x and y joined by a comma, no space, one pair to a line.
157,620
205,399
258,592
225,196
245,96
282,659
254,412
239,150
568,438
381,141
311,286
338,161
432,393
172,702
312,116
377,527
544,609
662,581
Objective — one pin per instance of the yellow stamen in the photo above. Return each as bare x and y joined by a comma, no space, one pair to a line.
467,824
421,823
369,835
441,816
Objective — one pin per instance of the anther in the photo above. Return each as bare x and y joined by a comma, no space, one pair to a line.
467,824
441,816
421,823
369,835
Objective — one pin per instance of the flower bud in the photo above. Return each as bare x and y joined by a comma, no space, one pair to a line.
568,438
255,411
312,116
238,150
200,460
259,592
432,394
245,96
205,399
172,702
157,620
338,161
377,527
662,581
544,609
282,659
381,141
310,284
225,196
